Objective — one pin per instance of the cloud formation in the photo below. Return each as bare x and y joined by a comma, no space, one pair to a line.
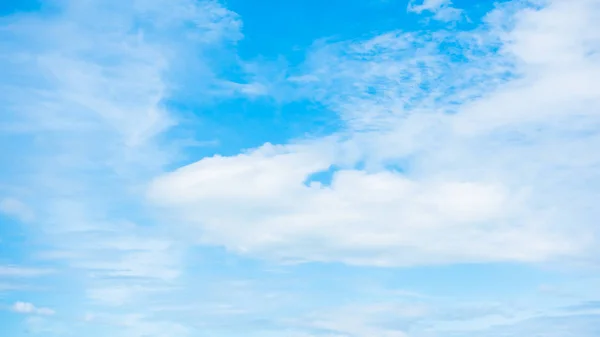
464,156
480,156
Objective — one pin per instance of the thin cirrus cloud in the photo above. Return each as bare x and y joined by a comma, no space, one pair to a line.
20,272
85,84
29,308
17,209
442,9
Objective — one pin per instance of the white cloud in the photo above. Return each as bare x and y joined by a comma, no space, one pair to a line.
15,208
258,202
442,9
495,152
29,308
427,5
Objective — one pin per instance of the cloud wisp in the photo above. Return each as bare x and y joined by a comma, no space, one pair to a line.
29,308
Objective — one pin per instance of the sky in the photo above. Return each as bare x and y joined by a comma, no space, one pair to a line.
356,168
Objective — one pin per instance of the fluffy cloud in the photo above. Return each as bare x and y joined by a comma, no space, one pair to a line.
259,202
491,150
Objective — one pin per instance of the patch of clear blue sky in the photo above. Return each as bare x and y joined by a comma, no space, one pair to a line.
11,7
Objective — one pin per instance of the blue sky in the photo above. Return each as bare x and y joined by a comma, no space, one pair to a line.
372,168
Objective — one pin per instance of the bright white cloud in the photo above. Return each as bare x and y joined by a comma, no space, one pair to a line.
29,308
495,152
258,203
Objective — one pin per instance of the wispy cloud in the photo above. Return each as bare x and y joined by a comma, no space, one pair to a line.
15,208
29,308
18,271
88,82
441,9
